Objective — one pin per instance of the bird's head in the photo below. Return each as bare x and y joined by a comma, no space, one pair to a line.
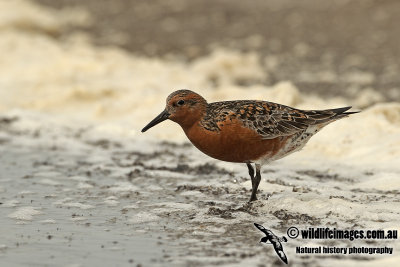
184,107
264,240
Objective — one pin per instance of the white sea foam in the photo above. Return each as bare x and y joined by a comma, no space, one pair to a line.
78,205
48,221
67,202
84,185
111,201
10,203
25,213
123,187
119,93
143,217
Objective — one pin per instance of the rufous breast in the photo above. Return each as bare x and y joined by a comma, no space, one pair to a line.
233,142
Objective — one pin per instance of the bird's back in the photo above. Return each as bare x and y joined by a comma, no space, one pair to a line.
268,119
257,131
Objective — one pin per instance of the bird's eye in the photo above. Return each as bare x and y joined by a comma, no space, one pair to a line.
181,102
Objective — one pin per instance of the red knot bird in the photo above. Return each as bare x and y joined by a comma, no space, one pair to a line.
245,131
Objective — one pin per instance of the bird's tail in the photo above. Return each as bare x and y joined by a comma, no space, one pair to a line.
342,112
329,115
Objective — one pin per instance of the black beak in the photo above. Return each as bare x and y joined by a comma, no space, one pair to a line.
160,118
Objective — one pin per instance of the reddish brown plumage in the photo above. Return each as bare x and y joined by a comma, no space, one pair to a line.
233,143
244,130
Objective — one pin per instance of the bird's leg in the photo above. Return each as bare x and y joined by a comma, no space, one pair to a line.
251,171
255,181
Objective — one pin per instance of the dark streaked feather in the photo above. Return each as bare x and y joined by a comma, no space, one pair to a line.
260,227
275,241
281,254
269,119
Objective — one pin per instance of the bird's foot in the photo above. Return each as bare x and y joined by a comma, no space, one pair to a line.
253,198
251,201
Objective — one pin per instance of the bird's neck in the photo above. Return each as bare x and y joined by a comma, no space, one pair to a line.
193,118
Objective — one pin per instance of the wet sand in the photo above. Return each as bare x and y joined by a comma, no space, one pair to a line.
69,200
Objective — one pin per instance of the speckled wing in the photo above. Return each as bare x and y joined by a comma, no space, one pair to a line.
281,254
269,119
260,227
284,121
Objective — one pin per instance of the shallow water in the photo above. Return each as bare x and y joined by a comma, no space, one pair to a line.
80,185
55,218
68,200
